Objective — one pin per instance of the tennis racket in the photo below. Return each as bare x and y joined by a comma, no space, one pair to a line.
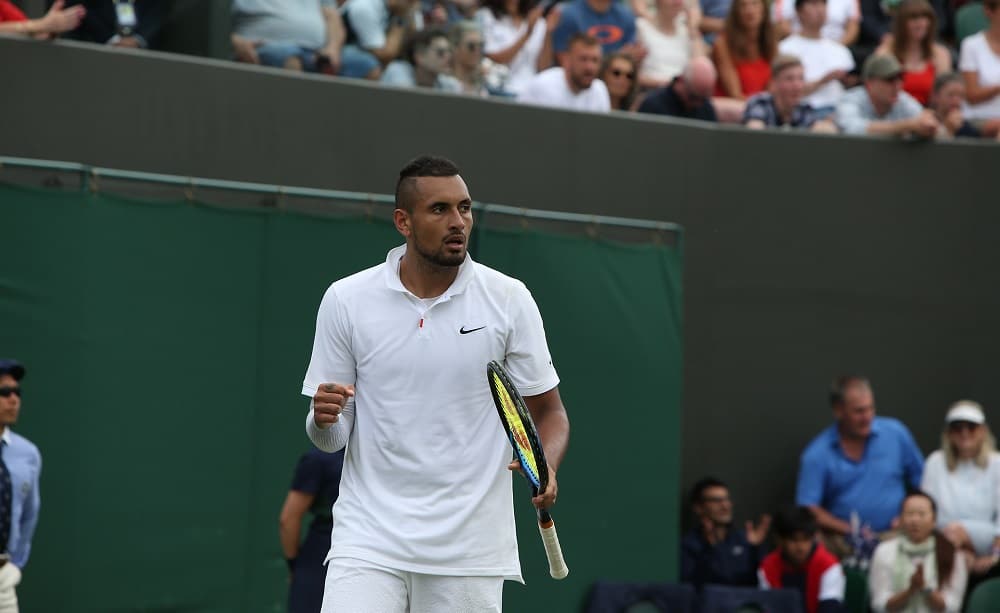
528,450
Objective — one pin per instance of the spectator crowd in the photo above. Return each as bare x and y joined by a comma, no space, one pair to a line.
914,68
920,533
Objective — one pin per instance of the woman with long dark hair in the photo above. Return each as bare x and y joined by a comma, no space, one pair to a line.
912,42
744,52
619,73
918,571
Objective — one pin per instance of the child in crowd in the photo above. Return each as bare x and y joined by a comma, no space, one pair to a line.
801,562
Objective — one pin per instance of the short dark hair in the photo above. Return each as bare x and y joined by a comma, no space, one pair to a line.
799,3
420,41
944,79
840,385
698,490
423,166
582,38
792,520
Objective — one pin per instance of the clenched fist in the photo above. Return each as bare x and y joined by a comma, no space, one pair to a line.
328,403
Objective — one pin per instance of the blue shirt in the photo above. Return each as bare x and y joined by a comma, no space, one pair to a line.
614,29
873,487
24,463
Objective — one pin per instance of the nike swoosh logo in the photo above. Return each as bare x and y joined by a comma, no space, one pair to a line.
462,330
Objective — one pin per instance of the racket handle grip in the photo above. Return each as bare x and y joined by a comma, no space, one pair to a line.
557,565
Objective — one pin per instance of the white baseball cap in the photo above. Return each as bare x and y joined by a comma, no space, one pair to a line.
966,410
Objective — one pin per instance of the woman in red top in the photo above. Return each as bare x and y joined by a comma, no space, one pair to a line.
912,42
58,20
744,50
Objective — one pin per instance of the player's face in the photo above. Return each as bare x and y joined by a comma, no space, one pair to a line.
797,548
716,505
583,62
856,413
438,228
10,405
917,518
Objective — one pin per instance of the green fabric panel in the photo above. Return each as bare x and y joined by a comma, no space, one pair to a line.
166,344
612,318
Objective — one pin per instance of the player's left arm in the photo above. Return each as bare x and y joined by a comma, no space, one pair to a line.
552,423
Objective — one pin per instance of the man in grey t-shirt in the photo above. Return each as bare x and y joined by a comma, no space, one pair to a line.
879,106
304,35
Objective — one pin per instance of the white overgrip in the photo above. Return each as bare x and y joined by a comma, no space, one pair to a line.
557,565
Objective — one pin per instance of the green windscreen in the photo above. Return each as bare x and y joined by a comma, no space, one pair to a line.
166,342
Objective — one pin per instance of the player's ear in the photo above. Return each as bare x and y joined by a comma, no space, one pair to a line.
402,221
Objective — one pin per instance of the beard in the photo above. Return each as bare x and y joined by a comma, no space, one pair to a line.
441,257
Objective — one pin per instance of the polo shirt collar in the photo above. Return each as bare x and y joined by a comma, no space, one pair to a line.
833,434
466,272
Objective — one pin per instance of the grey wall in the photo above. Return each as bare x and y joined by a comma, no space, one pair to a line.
806,256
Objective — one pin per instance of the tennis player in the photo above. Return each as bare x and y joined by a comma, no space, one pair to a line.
425,520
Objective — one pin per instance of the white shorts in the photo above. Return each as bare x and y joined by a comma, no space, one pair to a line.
356,586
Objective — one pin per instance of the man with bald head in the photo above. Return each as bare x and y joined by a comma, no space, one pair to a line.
688,95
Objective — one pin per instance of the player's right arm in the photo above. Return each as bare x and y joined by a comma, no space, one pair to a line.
329,381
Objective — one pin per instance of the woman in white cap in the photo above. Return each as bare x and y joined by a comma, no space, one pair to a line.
964,478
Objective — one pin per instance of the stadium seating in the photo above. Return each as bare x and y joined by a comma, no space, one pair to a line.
856,593
969,20
727,599
629,597
985,597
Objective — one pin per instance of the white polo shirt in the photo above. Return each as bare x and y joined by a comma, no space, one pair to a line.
425,486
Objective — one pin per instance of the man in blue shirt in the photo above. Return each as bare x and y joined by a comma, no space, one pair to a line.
609,21
714,551
20,468
860,466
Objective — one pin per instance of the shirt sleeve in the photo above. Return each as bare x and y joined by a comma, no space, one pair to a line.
931,481
308,476
565,29
954,591
762,581
832,584
29,518
528,359
967,59
628,27
995,478
913,458
755,109
809,489
849,117
880,575
332,358
366,21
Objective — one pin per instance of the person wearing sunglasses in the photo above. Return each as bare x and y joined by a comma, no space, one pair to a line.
963,476
688,95
428,60
618,72
468,64
20,468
